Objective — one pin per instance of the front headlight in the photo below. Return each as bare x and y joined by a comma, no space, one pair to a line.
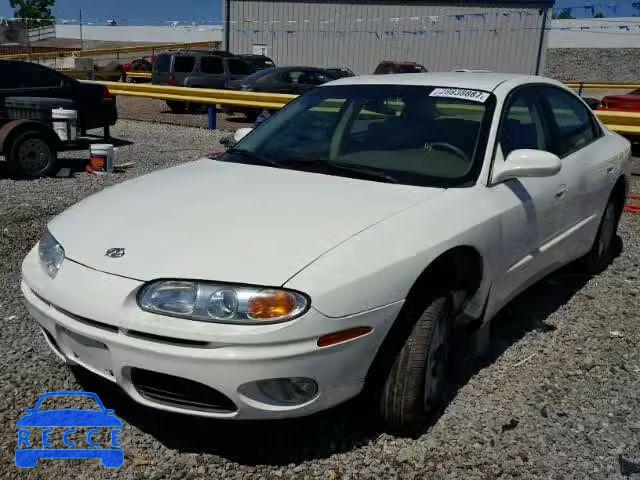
51,254
218,302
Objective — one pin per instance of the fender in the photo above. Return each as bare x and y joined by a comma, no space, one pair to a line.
8,130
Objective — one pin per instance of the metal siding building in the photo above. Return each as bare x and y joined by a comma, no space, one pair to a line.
504,36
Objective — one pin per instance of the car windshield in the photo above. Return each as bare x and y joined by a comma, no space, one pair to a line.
64,402
417,135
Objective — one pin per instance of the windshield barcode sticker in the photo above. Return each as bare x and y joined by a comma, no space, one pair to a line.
473,95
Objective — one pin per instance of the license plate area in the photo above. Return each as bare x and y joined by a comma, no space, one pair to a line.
91,354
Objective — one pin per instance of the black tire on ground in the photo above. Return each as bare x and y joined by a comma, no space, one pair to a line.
415,384
592,102
196,107
32,155
177,107
252,115
602,250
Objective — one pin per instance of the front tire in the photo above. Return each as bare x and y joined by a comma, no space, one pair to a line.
601,253
32,155
414,387
177,107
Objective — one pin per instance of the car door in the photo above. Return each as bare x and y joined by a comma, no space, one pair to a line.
208,73
289,82
531,209
310,79
237,69
589,165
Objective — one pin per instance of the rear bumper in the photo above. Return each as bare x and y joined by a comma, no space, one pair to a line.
227,357
106,113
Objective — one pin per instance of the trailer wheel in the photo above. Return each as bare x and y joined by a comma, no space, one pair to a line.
32,155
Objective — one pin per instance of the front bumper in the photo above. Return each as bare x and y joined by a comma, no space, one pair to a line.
95,314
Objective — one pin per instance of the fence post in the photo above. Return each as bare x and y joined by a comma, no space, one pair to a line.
212,117
580,89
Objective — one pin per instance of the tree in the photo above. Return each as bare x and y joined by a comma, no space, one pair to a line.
599,15
34,13
565,14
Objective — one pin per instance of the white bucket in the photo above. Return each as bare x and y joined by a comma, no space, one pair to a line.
102,157
65,124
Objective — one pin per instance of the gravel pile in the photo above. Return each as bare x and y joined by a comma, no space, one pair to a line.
557,396
613,65
156,111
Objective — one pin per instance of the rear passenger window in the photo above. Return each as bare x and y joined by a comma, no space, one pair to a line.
29,75
211,65
43,78
573,123
521,126
239,67
183,64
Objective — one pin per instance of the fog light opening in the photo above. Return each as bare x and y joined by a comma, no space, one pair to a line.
343,336
282,391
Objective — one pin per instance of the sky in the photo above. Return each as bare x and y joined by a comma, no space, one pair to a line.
143,12
158,12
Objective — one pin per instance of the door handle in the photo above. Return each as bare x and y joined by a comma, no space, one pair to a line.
562,192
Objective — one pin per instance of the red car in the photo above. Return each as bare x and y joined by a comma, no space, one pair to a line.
629,102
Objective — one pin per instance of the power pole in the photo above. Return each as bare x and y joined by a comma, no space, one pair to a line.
81,42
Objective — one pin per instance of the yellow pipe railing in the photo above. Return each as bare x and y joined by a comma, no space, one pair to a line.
207,96
627,123
111,51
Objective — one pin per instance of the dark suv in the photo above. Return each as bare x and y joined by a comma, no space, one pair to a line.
198,69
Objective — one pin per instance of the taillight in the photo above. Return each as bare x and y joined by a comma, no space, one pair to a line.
172,80
106,93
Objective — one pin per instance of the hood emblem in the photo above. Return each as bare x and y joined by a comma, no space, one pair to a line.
115,253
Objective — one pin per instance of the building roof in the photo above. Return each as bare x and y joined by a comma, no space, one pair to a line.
454,3
468,80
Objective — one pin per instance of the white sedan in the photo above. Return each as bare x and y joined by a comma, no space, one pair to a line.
333,248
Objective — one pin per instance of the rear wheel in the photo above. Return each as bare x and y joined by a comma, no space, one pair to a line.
252,115
32,155
601,253
415,385
177,107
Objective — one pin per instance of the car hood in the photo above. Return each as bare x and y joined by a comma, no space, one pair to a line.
69,418
224,221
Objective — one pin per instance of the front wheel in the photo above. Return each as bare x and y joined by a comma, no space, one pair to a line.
415,385
601,253
177,107
32,155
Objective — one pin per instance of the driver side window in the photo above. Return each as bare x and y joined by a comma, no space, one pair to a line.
521,126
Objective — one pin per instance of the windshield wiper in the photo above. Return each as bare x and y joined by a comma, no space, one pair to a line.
363,172
253,156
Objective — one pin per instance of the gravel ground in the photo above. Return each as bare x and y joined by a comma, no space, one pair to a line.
613,65
156,111
556,397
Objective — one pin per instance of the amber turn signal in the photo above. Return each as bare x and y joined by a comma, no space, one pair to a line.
270,304
343,336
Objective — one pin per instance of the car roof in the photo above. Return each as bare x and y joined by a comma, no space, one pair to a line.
469,80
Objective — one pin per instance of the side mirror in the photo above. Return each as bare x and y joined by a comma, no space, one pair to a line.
527,163
241,133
